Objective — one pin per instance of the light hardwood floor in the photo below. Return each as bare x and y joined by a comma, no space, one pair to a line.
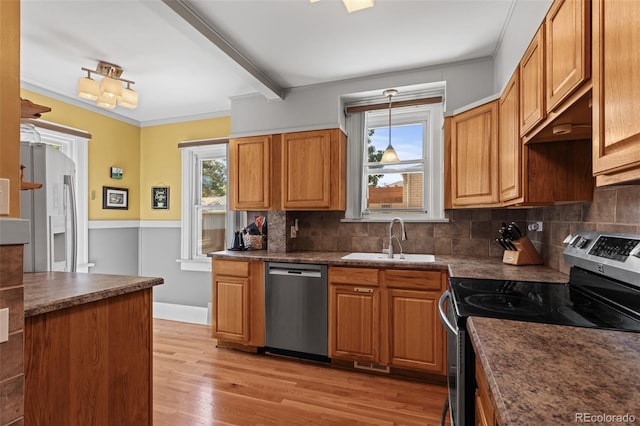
196,383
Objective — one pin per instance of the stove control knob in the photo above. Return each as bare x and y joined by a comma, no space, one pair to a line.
582,242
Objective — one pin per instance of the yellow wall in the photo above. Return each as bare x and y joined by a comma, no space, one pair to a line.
161,162
149,156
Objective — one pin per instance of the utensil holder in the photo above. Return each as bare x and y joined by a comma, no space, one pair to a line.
525,255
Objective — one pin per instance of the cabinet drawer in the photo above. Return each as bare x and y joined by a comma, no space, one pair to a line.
424,280
234,268
364,276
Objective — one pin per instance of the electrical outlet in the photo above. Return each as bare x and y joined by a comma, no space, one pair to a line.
535,226
4,325
294,233
4,196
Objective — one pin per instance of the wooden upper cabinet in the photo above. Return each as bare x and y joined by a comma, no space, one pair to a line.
532,105
250,173
474,156
567,49
314,170
616,103
509,143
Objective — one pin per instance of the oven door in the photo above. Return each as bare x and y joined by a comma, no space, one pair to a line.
456,362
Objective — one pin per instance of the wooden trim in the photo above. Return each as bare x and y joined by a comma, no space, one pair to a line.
57,128
398,104
203,142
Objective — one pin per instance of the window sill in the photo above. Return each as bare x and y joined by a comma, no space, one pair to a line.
200,265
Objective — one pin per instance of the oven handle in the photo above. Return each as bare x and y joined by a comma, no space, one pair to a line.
443,316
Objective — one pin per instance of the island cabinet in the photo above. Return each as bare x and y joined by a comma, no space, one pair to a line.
485,411
386,317
88,349
616,104
238,302
474,157
288,171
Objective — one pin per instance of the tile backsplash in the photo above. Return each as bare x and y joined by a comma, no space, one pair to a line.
613,209
470,232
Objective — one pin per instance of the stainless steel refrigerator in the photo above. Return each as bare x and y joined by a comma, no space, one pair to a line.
51,209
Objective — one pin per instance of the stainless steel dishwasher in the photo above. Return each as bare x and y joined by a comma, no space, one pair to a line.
296,309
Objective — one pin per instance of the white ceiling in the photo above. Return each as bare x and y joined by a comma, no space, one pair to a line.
287,43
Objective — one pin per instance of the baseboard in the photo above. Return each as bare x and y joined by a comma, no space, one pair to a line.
183,313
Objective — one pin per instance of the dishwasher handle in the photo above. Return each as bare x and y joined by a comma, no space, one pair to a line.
295,272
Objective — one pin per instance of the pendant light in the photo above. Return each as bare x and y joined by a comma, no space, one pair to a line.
389,154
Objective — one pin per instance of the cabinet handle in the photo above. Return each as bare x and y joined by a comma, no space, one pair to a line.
362,290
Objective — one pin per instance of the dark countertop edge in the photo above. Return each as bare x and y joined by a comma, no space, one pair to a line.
456,266
496,397
93,296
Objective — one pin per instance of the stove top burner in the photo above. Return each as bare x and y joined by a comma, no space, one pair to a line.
505,303
552,303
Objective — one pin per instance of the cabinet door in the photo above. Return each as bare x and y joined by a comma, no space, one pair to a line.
474,156
231,308
532,109
616,89
567,49
510,146
307,170
250,173
416,337
354,323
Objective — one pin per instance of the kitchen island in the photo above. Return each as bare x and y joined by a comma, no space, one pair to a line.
541,374
88,348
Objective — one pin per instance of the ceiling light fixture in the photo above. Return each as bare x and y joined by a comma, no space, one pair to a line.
109,93
354,5
389,154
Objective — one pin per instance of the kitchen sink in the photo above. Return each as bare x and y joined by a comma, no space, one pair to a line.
385,257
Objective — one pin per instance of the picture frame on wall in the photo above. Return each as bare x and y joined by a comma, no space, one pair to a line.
160,197
115,198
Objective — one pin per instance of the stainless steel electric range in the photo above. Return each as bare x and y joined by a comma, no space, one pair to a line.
603,292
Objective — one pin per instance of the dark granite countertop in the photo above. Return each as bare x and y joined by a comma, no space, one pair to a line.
52,291
458,266
541,374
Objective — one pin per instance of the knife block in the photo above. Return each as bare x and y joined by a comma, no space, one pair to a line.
525,255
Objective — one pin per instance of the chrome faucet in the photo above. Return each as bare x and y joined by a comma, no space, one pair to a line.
403,237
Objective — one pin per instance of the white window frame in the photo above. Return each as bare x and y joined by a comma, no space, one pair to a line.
191,158
433,166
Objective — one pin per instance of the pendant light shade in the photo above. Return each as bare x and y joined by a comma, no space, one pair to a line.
389,154
88,89
129,98
107,102
110,88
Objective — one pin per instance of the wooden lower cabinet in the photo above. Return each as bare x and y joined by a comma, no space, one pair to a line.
238,301
387,317
485,411
355,323
416,339
90,364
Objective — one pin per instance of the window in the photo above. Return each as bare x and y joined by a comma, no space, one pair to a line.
207,222
412,187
